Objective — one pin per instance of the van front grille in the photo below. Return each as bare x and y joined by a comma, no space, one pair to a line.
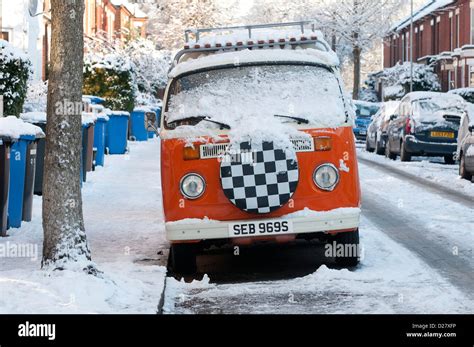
215,150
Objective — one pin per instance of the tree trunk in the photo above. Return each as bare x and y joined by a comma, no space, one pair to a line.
65,243
356,53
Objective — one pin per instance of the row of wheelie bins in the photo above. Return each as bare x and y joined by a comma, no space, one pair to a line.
18,150
144,123
22,157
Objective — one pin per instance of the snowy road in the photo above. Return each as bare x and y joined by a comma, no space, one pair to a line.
418,239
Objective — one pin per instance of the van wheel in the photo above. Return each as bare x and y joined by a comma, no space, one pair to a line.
449,159
349,238
462,169
379,149
367,145
183,258
404,155
388,153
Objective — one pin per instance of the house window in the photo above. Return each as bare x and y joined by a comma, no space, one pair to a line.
451,32
457,31
5,36
403,47
420,44
472,25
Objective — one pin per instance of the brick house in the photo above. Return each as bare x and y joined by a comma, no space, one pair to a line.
443,37
112,19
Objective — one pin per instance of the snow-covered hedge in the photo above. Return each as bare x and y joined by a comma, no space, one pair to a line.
396,80
112,77
36,97
15,70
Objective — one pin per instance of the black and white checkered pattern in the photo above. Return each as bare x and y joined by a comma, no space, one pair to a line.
263,185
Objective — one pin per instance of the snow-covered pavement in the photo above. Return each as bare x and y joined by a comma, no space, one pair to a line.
123,217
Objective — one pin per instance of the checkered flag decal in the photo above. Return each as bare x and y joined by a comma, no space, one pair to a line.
262,184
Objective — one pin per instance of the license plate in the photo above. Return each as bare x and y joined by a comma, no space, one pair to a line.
261,228
445,134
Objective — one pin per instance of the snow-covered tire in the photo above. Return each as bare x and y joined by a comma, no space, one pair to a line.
462,169
449,159
379,149
388,153
404,155
367,145
348,238
183,258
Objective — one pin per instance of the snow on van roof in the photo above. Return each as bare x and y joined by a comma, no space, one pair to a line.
256,35
308,55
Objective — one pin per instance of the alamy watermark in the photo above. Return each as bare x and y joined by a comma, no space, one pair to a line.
19,250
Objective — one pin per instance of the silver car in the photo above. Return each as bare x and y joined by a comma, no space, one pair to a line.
465,148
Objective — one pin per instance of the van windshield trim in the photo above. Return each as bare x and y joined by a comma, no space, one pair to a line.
260,63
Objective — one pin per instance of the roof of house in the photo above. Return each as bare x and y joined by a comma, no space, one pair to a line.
430,7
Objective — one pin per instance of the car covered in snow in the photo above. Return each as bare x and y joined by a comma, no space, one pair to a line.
466,93
257,143
377,130
465,148
364,113
427,124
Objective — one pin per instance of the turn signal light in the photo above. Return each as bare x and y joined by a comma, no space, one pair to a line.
191,153
322,143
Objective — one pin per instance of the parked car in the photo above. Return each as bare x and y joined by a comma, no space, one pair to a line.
465,148
425,123
227,177
364,112
377,130
466,93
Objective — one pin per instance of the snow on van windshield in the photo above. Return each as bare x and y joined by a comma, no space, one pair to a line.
236,95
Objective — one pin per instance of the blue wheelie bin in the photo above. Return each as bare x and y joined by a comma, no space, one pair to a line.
18,156
99,139
5,144
138,125
117,132
151,123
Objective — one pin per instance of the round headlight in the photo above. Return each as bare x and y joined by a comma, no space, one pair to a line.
326,177
192,186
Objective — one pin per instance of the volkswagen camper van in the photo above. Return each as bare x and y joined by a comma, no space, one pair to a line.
257,143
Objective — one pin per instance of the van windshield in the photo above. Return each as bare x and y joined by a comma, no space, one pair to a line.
231,95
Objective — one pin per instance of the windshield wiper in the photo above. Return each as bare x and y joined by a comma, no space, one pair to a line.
206,118
298,119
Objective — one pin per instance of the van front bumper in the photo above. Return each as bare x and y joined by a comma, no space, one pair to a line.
196,230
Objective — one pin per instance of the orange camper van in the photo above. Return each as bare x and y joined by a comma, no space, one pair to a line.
257,142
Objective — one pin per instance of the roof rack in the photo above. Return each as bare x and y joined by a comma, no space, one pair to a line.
300,24
305,34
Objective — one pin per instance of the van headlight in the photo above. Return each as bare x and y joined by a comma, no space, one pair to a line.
192,186
326,177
